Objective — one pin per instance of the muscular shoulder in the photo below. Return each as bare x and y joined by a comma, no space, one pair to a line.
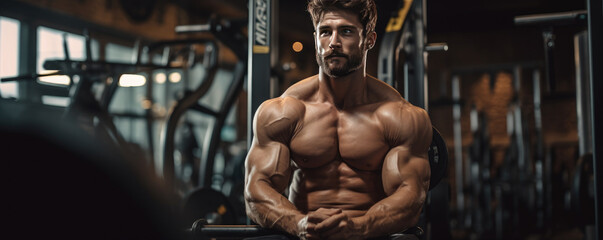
303,90
405,124
277,118
381,92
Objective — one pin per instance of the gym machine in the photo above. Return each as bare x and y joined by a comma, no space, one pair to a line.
85,109
256,56
403,54
255,66
199,199
516,182
523,189
580,196
177,110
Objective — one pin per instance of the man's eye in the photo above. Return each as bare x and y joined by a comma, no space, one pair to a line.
324,32
347,31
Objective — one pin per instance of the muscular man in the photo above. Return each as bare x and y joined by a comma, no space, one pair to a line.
350,149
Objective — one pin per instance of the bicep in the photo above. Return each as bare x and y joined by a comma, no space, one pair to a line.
406,164
268,160
269,163
407,169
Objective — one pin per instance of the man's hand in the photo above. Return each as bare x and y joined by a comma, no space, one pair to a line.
307,227
338,226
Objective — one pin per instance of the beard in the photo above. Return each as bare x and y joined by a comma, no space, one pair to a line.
353,62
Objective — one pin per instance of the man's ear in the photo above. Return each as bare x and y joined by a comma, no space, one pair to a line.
371,39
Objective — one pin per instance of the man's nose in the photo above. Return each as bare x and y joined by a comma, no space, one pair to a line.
334,41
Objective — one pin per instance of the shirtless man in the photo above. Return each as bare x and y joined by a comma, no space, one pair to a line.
351,150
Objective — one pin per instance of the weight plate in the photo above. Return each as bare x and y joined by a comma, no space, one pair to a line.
438,158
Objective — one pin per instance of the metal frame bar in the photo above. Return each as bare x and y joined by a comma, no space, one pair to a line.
214,133
391,46
595,35
458,148
581,54
548,19
415,90
28,36
261,19
177,112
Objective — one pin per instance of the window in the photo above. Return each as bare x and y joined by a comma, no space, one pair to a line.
9,55
50,46
118,53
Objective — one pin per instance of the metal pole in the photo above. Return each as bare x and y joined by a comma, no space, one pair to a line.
258,66
458,147
28,43
539,165
416,93
595,35
549,47
583,92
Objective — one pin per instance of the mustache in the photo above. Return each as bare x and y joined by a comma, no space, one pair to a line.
336,54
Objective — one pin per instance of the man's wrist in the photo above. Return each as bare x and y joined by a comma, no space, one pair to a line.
301,226
361,225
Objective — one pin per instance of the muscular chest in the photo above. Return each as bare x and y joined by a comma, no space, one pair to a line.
328,135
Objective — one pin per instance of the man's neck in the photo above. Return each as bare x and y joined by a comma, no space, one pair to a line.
346,91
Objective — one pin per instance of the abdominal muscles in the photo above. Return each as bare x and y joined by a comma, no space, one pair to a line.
336,185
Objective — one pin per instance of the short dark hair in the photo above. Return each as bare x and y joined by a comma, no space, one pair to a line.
365,9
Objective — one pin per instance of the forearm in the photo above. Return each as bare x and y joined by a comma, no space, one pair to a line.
393,214
270,209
